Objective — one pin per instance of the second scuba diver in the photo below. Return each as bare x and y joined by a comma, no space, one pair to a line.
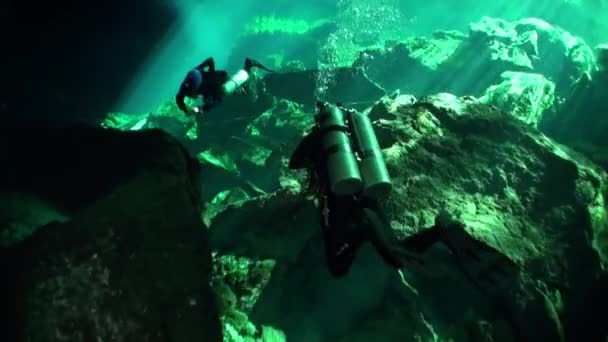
347,172
213,85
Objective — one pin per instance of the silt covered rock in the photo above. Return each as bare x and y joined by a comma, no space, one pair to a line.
526,96
468,64
129,260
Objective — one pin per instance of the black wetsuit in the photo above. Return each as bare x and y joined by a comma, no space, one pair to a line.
347,221
210,88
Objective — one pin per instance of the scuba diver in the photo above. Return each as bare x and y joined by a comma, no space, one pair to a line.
212,84
347,172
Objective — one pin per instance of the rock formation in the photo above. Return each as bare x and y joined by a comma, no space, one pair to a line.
120,253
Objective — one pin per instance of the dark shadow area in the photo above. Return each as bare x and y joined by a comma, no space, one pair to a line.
68,61
582,123
73,166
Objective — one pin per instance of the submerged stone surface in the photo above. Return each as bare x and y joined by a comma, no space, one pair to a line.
468,64
129,260
514,189
239,282
525,96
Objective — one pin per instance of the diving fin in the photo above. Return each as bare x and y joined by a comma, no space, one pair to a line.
251,63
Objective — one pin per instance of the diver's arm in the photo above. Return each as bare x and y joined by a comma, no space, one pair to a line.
374,205
179,100
418,242
387,253
209,62
305,150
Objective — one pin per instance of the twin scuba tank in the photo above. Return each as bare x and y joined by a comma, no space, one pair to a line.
353,155
235,82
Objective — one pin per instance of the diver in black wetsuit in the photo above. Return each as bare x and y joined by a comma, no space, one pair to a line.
345,220
350,220
212,84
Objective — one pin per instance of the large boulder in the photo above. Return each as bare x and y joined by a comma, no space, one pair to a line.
526,96
412,65
516,190
468,64
536,45
124,257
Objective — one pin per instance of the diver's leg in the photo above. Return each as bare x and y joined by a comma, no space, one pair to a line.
421,241
417,243
339,258
250,63
394,255
339,254
489,269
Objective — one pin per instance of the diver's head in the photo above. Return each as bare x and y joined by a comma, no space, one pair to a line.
192,82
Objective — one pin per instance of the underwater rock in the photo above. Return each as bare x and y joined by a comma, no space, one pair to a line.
468,64
276,226
124,121
166,117
246,279
222,201
538,46
254,160
130,260
526,96
581,122
411,65
238,282
516,190
281,124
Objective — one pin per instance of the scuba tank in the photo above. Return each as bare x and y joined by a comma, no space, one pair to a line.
376,180
343,172
235,82
352,170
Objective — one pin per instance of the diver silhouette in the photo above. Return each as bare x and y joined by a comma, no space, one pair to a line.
350,215
213,85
